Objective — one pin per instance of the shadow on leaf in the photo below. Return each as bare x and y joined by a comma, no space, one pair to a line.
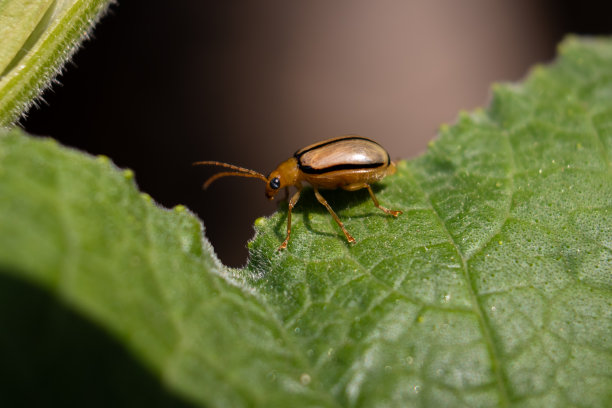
52,356
339,200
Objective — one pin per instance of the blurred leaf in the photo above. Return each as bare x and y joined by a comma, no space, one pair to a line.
494,288
38,37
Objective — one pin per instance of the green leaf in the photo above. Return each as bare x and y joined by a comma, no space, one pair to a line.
494,288
38,37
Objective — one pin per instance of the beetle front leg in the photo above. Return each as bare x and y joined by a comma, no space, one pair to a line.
292,204
326,205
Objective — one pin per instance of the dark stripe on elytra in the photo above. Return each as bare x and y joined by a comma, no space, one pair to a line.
348,166
332,142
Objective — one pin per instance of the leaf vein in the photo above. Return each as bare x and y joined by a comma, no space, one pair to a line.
494,353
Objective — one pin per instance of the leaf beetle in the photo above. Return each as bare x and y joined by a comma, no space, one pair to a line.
348,162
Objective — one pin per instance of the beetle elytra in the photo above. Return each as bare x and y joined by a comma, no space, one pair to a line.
348,162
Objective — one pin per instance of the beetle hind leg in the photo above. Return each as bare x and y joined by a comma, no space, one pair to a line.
354,187
333,214
394,213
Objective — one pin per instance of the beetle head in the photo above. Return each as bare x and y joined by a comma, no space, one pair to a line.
273,185
285,175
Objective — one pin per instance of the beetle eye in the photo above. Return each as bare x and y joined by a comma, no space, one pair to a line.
275,183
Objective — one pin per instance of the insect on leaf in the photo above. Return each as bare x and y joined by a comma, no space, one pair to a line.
494,288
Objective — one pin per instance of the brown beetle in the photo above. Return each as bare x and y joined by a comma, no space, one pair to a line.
349,162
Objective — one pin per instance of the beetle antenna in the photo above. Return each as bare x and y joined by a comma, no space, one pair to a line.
230,166
231,173
241,171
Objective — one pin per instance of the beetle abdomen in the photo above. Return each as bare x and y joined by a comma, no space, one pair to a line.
346,152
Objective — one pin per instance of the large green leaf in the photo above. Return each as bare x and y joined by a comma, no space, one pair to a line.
494,288
36,38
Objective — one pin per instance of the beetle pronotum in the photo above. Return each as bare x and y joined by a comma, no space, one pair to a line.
349,162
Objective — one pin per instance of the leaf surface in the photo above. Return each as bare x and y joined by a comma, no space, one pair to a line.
494,288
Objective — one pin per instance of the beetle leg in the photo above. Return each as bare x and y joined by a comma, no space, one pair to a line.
394,213
354,187
292,204
326,205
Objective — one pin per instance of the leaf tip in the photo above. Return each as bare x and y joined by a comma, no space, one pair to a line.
102,159
403,164
128,174
568,42
479,111
260,222
463,114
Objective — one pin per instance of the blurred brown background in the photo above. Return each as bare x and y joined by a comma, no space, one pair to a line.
163,84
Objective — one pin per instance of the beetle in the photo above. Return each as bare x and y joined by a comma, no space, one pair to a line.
348,162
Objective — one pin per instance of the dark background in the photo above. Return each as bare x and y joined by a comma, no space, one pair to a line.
162,84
